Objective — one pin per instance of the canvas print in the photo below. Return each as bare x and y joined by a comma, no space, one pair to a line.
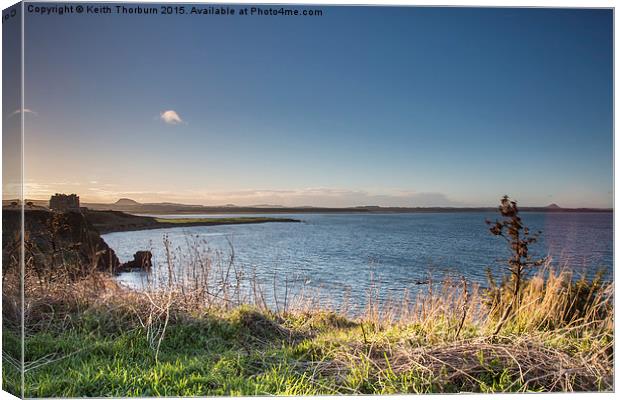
283,199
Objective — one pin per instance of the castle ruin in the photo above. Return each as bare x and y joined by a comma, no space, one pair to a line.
65,202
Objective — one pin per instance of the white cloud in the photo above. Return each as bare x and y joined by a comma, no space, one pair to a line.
321,197
26,111
171,117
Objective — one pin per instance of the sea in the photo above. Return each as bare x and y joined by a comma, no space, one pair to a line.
349,255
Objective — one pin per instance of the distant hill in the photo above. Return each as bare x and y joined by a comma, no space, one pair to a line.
35,203
134,207
171,208
126,202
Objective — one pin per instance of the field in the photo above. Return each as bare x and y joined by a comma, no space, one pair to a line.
221,221
118,221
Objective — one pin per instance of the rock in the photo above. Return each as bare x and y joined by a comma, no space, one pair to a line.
141,260
57,240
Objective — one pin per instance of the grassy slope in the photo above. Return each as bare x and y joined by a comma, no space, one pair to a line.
221,221
227,356
89,347
117,221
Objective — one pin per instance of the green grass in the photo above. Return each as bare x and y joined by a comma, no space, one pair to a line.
209,356
11,355
221,221
201,358
249,352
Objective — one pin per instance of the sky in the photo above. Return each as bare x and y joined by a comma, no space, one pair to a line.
361,106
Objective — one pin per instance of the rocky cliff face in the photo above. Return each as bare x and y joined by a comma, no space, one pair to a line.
56,240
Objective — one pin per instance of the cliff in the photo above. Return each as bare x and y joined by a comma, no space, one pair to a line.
56,240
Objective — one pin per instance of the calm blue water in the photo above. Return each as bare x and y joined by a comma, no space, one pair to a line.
337,252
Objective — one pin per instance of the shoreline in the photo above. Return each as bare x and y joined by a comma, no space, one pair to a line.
143,210
164,225
117,221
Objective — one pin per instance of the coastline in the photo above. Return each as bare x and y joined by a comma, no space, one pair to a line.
166,209
163,225
118,221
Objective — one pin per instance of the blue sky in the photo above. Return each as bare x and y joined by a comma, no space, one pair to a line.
388,106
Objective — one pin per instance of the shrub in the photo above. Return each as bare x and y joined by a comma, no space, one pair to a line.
519,238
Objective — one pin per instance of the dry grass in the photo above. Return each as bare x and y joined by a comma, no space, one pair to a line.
526,362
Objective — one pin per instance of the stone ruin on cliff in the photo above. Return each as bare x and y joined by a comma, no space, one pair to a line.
65,202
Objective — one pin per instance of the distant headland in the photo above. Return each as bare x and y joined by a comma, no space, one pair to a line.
131,206
109,218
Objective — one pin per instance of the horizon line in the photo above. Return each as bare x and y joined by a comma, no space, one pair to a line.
359,206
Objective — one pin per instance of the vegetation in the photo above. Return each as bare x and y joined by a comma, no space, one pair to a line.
519,238
222,221
212,328
117,221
